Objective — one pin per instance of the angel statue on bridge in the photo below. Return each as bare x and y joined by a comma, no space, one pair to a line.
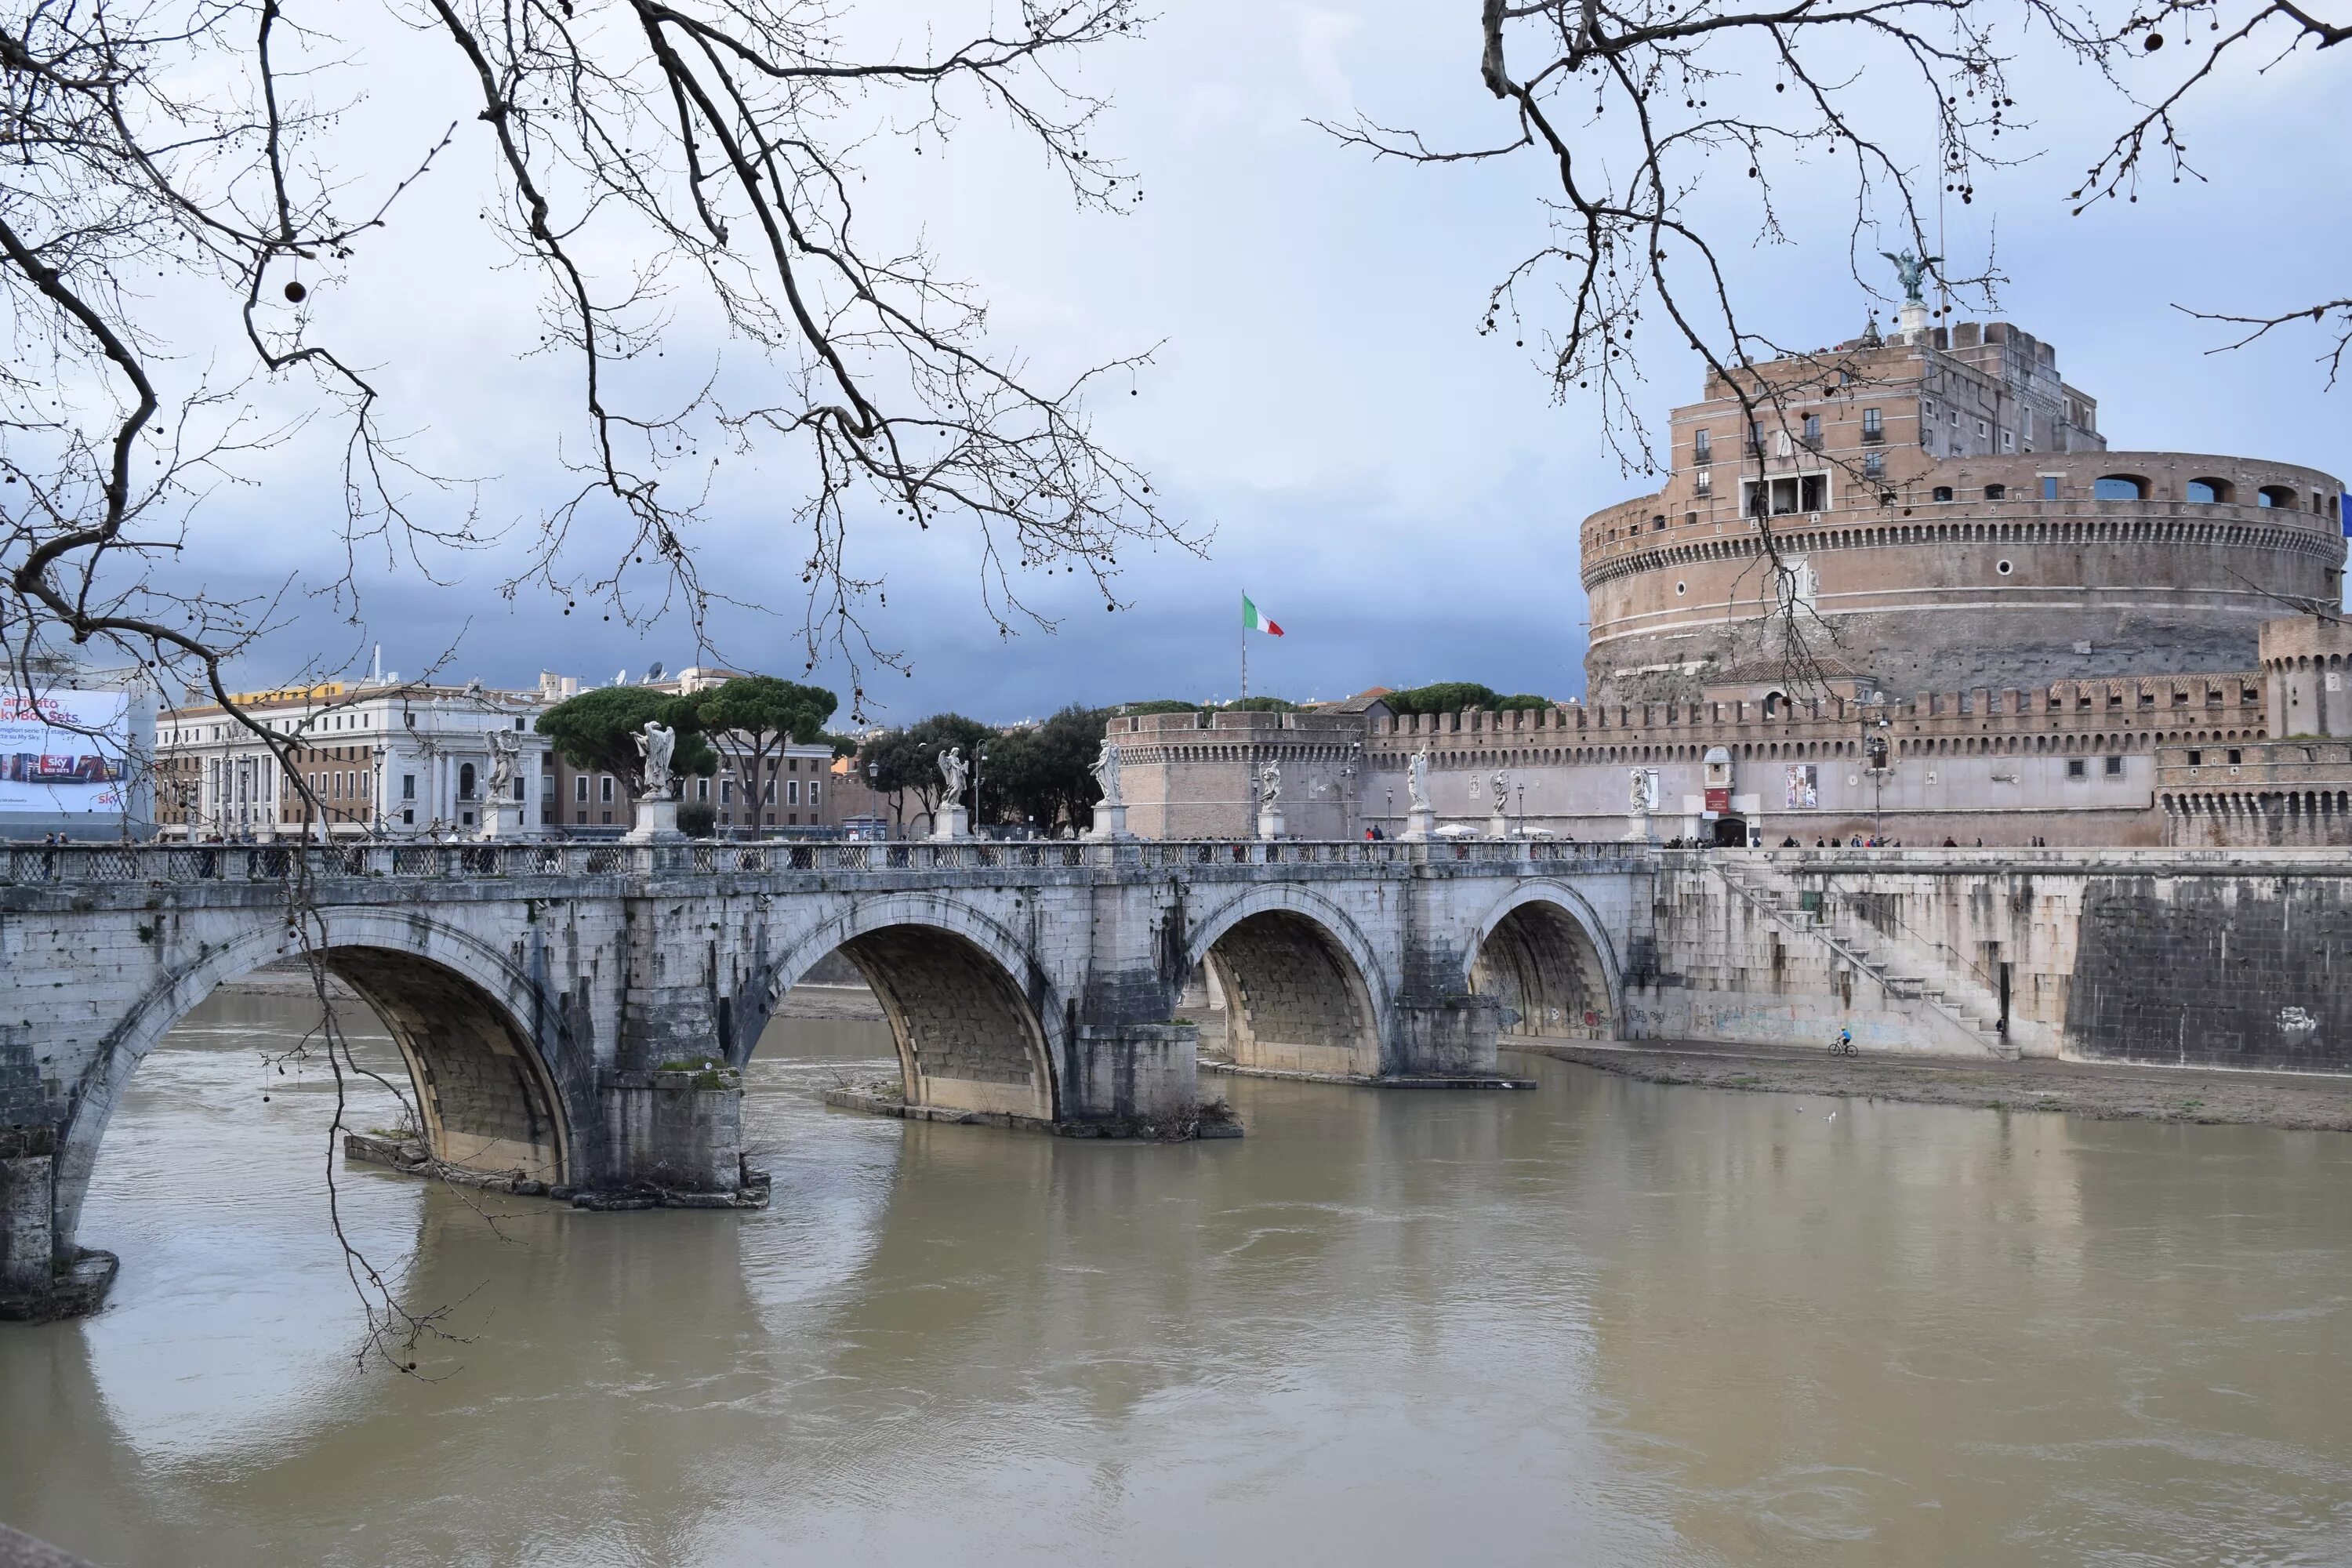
656,742
1270,786
1105,771
1416,780
505,751
955,771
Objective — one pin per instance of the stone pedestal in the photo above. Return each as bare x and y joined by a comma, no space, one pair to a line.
1420,823
499,817
951,822
1269,822
1499,826
1110,821
1637,827
657,822
1913,320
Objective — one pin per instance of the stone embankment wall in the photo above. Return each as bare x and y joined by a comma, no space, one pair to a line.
2218,959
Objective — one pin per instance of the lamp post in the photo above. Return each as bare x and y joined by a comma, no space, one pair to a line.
1523,811
381,750
979,756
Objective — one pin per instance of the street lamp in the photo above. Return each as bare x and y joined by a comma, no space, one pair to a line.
381,750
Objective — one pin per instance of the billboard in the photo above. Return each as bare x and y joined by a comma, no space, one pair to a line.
64,752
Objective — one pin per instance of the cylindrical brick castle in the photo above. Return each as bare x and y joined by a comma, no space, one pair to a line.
1945,517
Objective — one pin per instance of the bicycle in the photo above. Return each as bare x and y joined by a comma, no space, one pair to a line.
1844,1045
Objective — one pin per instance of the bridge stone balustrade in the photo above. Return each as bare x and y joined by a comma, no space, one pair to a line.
574,1017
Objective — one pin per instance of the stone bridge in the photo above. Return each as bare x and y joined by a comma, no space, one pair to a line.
575,1016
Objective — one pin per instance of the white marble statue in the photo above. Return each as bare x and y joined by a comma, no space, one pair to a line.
1416,780
1105,771
955,770
656,743
1502,792
505,753
1639,799
1269,788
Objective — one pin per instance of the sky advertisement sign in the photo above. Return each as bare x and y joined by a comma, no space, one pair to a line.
63,751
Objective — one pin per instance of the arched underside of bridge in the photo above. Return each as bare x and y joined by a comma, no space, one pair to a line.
969,1039
1294,999
487,1101
1542,965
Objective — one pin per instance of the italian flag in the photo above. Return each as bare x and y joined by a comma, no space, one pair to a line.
1254,619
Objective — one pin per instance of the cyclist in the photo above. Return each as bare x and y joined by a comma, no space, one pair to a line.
1845,1047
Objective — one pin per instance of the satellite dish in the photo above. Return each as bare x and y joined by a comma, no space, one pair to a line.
655,673
621,679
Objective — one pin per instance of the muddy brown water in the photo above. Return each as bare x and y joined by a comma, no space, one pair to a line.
1605,1322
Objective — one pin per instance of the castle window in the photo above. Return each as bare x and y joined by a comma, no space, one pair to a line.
1943,492
1813,429
1702,447
2114,767
1874,427
2004,568
2275,496
2119,487
2078,767
2008,441
2235,756
1874,466
2209,490
1657,525
2196,759
1996,492
2049,487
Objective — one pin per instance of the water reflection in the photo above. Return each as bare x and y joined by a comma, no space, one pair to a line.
1607,1321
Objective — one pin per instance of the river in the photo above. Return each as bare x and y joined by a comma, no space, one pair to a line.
1604,1322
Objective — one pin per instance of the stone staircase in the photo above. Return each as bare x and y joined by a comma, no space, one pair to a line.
1908,970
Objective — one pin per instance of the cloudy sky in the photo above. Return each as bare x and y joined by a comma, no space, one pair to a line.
1399,492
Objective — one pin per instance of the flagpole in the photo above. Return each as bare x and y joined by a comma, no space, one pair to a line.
1244,649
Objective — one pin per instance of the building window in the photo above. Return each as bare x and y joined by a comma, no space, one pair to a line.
466,781
517,788
812,795
2078,767
580,790
1874,466
2209,491
2235,756
604,819
1874,427
793,792
408,787
2196,759
702,789
2275,496
408,819
2008,441
1702,447
1943,492
1813,429
1983,430
2114,767
1657,525
605,792
1705,482
2119,487
2004,568
1996,492
2049,487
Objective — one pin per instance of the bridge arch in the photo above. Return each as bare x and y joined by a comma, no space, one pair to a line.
1543,952
978,1024
1303,990
467,1019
